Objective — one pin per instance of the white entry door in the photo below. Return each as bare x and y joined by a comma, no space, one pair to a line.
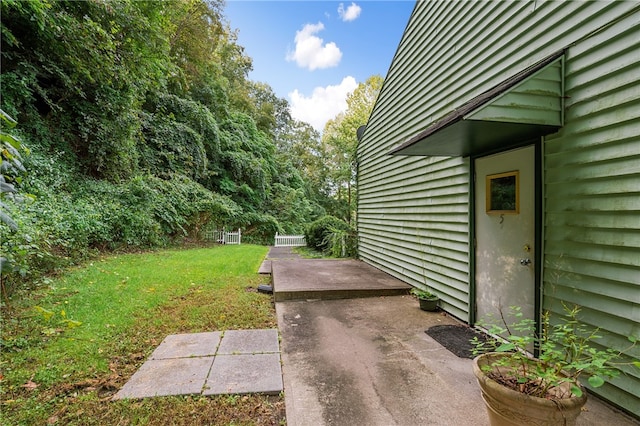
505,233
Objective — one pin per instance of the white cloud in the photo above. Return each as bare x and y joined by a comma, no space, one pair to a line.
323,104
311,52
351,13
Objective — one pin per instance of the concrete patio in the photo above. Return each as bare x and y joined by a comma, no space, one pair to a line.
332,279
368,361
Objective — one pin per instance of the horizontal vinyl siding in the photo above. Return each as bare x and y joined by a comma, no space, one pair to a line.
413,213
416,229
450,53
592,196
537,100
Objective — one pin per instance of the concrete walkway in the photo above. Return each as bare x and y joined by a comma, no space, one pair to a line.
368,361
275,254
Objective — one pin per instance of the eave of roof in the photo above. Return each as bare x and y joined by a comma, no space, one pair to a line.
464,132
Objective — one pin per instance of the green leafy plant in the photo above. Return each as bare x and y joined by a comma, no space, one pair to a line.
318,233
342,242
566,353
10,165
423,294
15,243
48,316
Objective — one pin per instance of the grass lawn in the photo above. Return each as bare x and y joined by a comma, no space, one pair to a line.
69,345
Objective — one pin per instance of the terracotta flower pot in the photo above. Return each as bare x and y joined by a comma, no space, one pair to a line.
507,407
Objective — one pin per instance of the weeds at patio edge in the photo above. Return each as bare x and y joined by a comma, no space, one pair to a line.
69,345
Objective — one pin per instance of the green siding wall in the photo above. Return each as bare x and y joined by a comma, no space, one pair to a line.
592,195
413,214
416,229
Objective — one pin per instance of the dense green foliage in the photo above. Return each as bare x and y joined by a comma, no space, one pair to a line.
330,235
11,169
343,242
143,129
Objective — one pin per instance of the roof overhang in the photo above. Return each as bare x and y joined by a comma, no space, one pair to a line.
524,107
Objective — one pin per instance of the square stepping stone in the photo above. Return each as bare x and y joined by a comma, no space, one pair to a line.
188,345
249,342
238,374
164,377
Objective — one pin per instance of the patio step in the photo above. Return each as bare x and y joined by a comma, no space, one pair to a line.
334,294
265,268
325,279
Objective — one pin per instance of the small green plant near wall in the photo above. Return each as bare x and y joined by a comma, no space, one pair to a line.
428,301
566,354
423,294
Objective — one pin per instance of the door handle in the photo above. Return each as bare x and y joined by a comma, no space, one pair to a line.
525,262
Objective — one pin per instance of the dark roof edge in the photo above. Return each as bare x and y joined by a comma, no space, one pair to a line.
457,114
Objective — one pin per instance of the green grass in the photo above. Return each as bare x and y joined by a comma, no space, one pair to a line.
310,253
70,344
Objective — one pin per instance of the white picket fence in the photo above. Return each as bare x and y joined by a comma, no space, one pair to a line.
290,240
224,237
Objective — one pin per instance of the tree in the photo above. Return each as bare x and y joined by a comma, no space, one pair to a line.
84,66
194,32
232,70
145,127
270,112
340,141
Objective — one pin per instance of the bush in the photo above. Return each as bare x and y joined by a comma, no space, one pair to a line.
69,221
319,233
343,243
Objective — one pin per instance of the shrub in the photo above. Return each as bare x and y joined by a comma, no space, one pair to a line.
343,243
68,221
319,233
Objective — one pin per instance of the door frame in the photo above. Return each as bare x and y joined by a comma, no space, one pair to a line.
538,223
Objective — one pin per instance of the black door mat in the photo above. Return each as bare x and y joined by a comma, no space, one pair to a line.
456,338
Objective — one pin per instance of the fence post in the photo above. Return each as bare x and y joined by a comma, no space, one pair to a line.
239,236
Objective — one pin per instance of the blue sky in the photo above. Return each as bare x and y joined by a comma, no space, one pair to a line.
313,53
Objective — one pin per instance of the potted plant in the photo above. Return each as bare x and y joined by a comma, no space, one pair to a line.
428,301
545,390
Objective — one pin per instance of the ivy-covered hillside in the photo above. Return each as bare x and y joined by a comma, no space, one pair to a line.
139,127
